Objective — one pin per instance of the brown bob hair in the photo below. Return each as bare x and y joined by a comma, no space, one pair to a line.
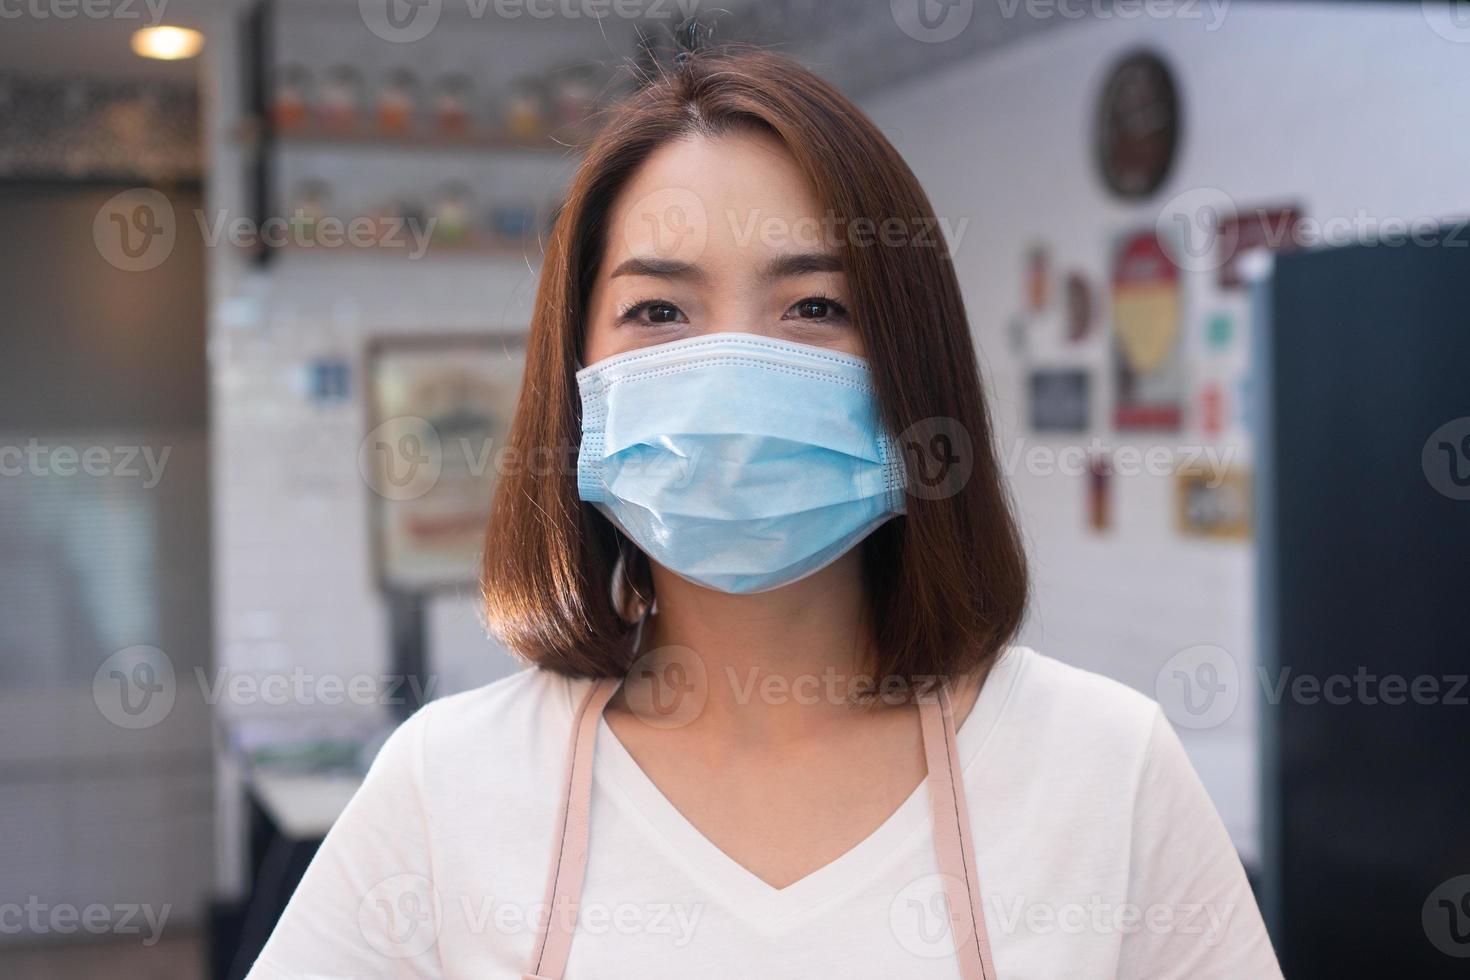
946,583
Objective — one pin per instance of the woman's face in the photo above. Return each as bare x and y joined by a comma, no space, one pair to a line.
718,235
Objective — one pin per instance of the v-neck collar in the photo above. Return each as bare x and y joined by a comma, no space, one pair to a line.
779,910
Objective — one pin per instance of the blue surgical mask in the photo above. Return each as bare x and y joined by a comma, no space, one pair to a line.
737,461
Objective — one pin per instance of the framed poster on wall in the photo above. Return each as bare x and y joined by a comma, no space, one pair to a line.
1148,363
1061,401
440,412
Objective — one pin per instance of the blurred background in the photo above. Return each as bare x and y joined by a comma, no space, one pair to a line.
267,276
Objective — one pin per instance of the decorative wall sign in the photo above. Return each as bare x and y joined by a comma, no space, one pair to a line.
1079,307
1219,330
1060,401
1137,129
1213,504
327,380
440,412
1017,331
1212,409
1272,228
1038,279
1100,492
1148,367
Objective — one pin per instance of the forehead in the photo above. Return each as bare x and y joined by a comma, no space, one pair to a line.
736,197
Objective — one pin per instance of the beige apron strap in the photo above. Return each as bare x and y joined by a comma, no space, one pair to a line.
569,851
947,802
952,837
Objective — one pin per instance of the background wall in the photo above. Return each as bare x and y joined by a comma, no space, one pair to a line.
1003,146
1007,144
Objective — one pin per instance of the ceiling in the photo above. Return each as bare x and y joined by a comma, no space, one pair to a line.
858,44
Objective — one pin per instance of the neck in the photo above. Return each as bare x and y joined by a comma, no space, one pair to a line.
776,664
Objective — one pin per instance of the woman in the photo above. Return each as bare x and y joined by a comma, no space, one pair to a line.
773,727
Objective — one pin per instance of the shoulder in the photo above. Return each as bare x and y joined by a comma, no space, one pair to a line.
529,700
516,723
1060,714
488,756
1048,690
503,735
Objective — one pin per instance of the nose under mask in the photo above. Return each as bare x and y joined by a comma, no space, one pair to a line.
736,461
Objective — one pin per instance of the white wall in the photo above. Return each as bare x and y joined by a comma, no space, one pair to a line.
1346,110
293,580
1334,107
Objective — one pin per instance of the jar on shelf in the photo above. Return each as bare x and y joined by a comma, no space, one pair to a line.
512,223
309,205
453,214
342,99
291,99
409,211
398,102
525,111
573,95
452,96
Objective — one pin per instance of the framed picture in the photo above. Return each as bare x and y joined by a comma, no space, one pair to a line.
440,413
1214,503
1060,401
1148,363
1138,125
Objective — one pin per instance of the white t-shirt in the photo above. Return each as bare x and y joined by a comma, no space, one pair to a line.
1099,855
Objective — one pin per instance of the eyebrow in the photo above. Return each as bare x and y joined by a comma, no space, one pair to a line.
801,263
658,268
781,267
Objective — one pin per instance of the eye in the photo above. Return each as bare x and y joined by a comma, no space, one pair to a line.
653,312
820,308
